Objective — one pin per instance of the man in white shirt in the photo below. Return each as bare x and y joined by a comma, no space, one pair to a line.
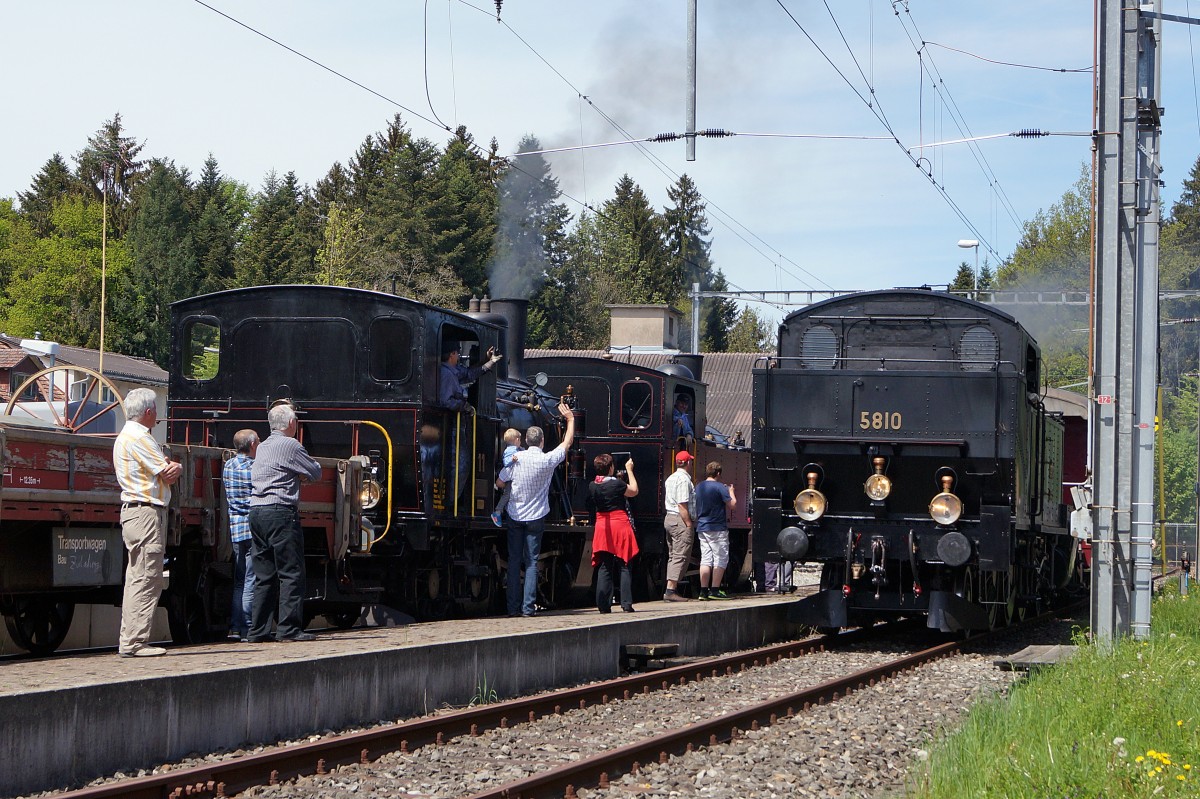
678,494
145,476
528,507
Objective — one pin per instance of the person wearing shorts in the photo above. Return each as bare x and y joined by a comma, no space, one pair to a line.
714,502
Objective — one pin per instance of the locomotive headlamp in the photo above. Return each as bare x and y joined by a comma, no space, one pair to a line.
878,485
810,503
945,508
370,494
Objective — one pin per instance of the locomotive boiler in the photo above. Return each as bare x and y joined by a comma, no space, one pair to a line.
903,442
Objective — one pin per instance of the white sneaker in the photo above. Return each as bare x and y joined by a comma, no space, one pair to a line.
144,652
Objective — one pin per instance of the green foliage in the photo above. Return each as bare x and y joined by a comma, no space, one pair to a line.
1120,723
750,334
165,267
55,284
1055,248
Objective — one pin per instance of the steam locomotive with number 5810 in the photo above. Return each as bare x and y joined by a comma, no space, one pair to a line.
902,440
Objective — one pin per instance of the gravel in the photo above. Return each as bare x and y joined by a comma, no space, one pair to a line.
860,746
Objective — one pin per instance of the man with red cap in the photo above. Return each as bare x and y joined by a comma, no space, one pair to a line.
678,524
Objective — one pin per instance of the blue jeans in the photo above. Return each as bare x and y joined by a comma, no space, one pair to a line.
243,588
524,547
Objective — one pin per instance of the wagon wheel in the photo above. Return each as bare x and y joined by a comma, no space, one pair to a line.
73,415
39,624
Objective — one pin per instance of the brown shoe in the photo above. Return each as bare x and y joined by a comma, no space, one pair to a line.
671,596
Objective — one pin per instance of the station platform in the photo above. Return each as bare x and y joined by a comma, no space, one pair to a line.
69,719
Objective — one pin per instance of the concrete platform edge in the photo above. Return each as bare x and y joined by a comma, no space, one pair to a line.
64,738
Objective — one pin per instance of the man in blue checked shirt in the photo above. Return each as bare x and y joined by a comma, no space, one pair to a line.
236,478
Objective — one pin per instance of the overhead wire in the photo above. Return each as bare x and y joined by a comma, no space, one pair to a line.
722,216
420,116
428,99
1004,63
877,111
328,69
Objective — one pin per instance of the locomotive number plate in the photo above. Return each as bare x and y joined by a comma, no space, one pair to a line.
880,420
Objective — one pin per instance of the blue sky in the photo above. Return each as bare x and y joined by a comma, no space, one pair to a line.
787,213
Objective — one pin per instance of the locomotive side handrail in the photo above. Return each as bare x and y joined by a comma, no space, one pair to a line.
390,459
883,362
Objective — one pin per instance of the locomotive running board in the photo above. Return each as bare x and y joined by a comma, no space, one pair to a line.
949,612
823,609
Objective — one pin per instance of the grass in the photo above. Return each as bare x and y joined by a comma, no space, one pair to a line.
1112,724
484,694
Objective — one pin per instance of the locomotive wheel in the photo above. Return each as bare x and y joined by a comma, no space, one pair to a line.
39,625
992,593
344,619
1010,604
89,408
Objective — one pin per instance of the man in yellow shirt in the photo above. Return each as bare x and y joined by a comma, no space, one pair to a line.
145,476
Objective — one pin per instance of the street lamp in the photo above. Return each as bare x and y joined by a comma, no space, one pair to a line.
967,244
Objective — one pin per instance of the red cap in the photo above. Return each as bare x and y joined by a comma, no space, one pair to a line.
684,457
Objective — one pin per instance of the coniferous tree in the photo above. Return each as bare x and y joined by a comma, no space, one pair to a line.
632,233
687,230
109,165
462,210
54,182
269,255
530,229
164,267
215,231
750,333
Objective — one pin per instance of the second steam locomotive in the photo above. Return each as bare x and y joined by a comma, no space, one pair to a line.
903,442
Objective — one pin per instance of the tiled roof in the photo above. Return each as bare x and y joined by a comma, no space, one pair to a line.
121,367
730,386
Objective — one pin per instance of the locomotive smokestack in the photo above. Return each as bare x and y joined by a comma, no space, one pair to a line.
517,313
693,361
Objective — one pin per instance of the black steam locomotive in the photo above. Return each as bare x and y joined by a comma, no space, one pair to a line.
902,442
362,370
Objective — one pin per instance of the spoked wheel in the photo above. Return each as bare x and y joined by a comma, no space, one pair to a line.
39,625
51,395
992,595
1010,604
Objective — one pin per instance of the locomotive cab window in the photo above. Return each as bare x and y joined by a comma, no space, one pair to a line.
201,350
978,349
636,404
819,348
391,341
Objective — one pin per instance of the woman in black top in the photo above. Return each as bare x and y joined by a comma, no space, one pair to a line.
614,544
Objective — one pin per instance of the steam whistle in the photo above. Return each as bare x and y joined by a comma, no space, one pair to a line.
569,399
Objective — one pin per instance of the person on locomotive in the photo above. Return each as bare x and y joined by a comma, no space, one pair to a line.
236,479
454,378
528,507
677,497
512,445
682,419
614,544
145,476
279,464
714,502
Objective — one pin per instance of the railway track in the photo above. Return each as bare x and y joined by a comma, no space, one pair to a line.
360,752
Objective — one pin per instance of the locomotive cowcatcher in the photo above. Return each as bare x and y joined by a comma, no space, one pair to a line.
902,442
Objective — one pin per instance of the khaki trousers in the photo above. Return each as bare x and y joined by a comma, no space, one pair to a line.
679,545
144,530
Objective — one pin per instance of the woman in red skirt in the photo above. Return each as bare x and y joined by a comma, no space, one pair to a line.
614,544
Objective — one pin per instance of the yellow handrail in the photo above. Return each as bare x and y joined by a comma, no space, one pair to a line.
387,526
